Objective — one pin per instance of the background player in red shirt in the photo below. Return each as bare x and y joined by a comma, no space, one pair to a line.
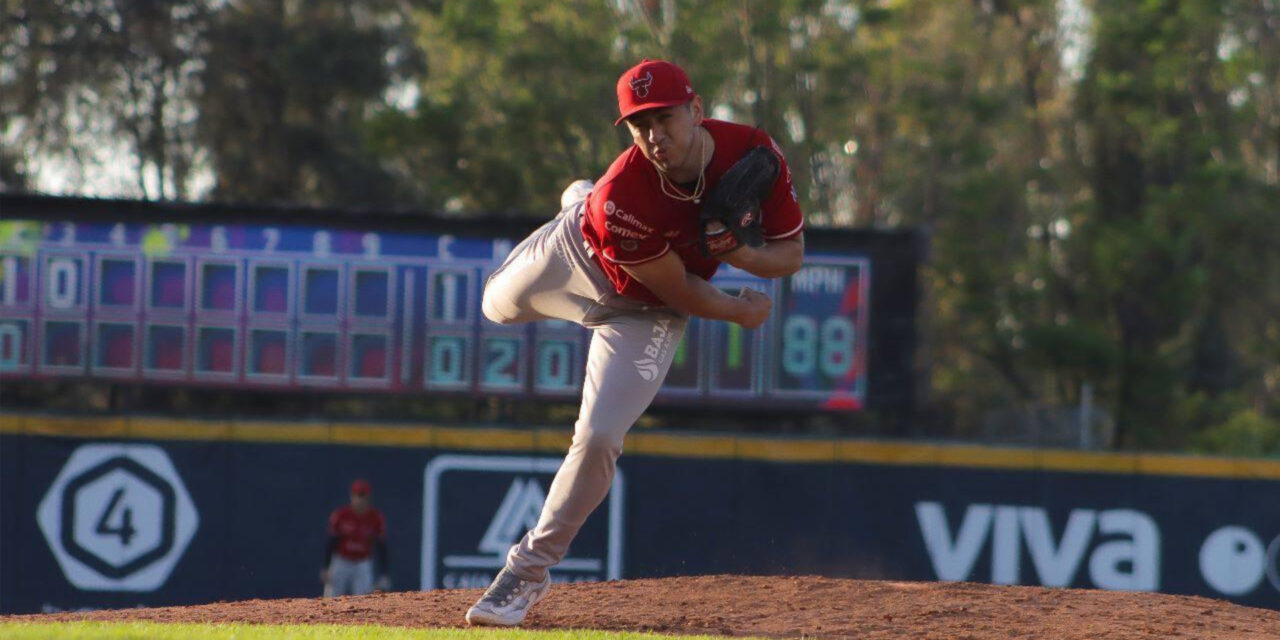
629,262
357,547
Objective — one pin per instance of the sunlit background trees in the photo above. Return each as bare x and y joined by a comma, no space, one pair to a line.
1099,181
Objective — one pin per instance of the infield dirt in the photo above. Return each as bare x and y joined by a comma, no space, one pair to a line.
777,607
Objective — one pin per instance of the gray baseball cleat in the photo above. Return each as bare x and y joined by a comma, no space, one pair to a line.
576,192
507,600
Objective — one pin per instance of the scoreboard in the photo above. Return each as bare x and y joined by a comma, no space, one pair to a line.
300,305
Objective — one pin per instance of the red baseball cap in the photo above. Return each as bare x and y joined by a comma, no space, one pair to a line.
361,488
652,84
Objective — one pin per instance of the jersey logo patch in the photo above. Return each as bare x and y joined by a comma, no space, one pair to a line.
647,368
612,210
656,351
641,85
623,231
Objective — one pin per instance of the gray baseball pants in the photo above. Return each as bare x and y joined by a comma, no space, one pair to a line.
550,275
349,577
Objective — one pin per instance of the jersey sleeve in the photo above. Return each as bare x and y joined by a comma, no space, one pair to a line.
333,521
625,238
781,210
381,533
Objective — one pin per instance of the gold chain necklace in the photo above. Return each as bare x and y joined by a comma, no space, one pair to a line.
696,196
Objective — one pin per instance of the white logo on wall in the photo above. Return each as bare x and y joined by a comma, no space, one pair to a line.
118,517
1233,560
1128,560
518,513
1122,548
455,554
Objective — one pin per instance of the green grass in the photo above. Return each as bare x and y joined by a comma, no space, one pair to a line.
157,631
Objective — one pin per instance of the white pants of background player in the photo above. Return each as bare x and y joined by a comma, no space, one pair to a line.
349,577
550,275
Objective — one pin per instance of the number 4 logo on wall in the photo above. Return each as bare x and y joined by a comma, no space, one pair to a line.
118,517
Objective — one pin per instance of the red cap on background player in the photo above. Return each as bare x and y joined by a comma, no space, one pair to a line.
652,84
361,488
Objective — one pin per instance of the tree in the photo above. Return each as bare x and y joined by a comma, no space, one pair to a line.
285,91
1098,181
90,81
515,104
1169,195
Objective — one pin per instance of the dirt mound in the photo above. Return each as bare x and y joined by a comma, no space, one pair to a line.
777,606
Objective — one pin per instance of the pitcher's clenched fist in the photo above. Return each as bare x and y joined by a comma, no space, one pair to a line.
757,306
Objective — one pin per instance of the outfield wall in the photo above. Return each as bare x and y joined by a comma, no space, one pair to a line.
98,512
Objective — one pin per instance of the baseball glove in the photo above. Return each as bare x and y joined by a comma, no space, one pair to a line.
735,203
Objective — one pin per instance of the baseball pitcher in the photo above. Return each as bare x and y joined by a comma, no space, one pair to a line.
630,258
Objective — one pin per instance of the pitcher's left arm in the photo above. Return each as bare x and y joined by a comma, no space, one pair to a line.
751,218
776,259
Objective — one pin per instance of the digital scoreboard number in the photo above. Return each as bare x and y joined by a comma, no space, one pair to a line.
291,306
819,340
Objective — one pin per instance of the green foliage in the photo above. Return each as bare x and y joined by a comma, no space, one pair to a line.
1099,187
286,91
1244,433
93,82
509,113
1087,351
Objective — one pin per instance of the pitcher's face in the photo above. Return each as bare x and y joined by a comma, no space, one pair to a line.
668,137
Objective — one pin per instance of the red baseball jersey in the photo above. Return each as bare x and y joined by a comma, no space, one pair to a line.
629,220
356,533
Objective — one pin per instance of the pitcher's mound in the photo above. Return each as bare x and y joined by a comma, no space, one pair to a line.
780,607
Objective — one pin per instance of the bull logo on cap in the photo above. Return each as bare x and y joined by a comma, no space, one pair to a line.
641,85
